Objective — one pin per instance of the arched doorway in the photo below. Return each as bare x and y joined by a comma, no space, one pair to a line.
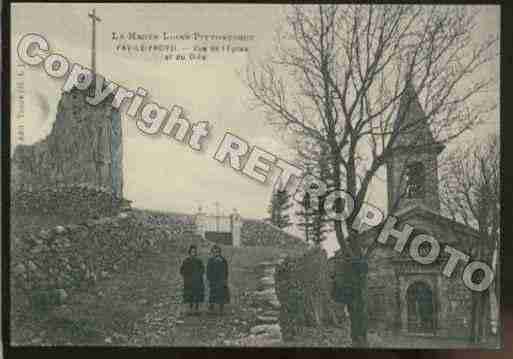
421,309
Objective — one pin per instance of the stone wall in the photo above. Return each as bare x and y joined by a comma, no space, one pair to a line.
253,232
77,202
456,303
267,331
177,224
383,297
259,233
64,239
83,147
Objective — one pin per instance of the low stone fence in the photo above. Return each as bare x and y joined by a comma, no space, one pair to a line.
74,202
260,233
178,224
267,331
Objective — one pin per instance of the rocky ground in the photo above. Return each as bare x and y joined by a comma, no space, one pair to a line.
251,319
141,306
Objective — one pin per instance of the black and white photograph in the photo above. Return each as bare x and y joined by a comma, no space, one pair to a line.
254,175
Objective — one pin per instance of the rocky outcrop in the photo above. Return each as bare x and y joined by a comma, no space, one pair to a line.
49,265
84,146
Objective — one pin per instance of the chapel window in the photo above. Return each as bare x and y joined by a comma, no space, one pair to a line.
415,180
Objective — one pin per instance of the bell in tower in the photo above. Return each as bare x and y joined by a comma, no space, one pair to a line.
412,170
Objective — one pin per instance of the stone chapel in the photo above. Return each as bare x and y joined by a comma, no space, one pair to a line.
404,296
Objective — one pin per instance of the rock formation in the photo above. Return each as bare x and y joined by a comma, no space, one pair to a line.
83,147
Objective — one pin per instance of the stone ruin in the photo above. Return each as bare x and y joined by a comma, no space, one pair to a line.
84,147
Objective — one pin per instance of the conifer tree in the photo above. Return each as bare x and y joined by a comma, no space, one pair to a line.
279,207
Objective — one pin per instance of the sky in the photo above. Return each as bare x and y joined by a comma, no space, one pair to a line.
159,172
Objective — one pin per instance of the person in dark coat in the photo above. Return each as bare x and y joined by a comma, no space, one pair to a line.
217,276
192,271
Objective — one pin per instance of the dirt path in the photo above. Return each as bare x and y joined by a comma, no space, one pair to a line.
167,325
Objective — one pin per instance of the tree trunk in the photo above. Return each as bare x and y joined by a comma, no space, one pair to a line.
475,314
356,272
358,312
479,302
351,289
485,316
479,317
317,302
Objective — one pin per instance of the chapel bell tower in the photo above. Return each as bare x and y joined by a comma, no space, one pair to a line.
412,170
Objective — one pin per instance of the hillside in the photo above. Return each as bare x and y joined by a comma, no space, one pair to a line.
80,279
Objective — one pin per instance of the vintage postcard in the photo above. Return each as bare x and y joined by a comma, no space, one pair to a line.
254,175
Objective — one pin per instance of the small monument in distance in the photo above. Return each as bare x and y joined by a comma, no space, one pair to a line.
236,224
200,222
219,229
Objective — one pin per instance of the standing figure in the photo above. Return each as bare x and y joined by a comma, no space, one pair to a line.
217,276
192,271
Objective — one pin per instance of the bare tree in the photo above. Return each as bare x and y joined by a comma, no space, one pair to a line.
337,74
470,193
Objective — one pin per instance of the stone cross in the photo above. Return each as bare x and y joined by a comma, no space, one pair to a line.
94,19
